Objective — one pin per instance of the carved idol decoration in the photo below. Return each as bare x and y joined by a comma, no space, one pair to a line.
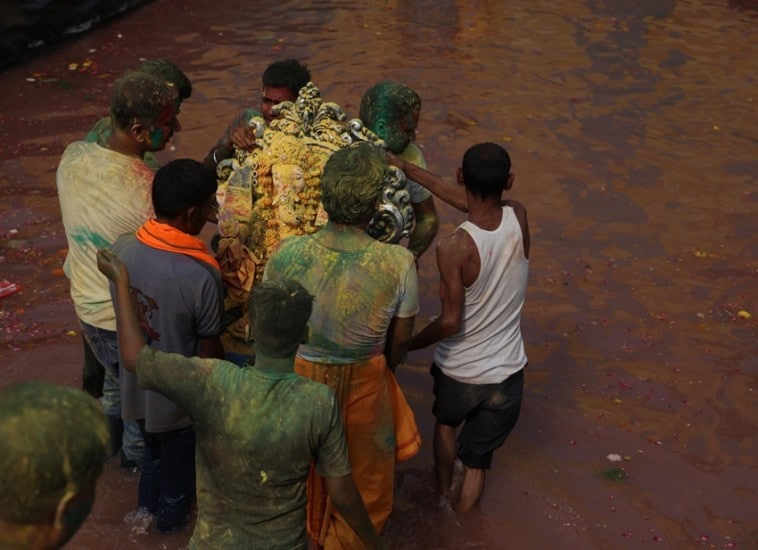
274,190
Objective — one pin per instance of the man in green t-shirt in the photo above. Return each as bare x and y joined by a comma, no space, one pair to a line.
258,428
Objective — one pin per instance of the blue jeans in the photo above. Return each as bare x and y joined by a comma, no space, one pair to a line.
167,479
126,434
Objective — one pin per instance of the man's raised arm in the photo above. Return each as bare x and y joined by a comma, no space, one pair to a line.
130,336
453,194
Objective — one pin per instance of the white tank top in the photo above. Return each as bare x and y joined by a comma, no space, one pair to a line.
489,347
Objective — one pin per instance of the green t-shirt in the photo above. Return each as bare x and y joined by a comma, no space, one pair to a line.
257,434
357,294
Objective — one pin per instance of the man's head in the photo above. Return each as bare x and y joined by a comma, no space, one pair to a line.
486,171
169,72
282,81
279,313
144,106
184,193
391,110
54,441
352,183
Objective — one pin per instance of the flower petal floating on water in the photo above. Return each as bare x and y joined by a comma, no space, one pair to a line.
613,457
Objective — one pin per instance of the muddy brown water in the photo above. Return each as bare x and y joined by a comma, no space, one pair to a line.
632,127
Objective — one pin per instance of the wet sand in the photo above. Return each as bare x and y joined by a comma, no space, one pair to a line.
632,128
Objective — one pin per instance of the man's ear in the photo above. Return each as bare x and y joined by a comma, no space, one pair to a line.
459,175
306,335
509,183
71,512
139,133
381,127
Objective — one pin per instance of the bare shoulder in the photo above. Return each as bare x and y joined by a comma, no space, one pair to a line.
520,211
456,241
518,207
457,247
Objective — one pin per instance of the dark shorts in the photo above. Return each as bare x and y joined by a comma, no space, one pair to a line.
490,412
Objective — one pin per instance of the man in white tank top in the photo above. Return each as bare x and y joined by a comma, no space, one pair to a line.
479,361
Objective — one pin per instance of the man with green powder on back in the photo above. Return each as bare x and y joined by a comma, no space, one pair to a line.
258,428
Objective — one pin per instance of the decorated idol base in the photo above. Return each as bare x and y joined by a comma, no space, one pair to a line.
274,191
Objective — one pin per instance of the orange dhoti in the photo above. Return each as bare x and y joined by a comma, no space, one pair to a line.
380,430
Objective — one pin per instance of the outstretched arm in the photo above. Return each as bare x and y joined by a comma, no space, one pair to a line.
130,336
347,500
451,193
452,252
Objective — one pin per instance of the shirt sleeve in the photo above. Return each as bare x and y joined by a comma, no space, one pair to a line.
209,307
331,457
181,379
418,193
408,305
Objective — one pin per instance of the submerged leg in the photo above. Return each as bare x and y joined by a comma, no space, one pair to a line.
445,449
471,489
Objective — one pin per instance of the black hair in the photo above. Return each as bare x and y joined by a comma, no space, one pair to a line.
279,313
180,184
289,73
486,167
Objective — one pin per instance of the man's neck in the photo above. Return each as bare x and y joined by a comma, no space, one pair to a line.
120,142
485,214
177,223
274,365
347,238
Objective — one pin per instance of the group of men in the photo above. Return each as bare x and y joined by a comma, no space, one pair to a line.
331,321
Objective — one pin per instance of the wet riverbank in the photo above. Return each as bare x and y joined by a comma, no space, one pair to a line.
632,131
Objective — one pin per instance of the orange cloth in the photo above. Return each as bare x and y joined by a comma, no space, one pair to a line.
165,237
380,429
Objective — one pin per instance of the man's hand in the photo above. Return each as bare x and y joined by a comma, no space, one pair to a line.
348,502
111,266
243,137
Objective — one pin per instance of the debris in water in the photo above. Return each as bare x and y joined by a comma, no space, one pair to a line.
613,474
